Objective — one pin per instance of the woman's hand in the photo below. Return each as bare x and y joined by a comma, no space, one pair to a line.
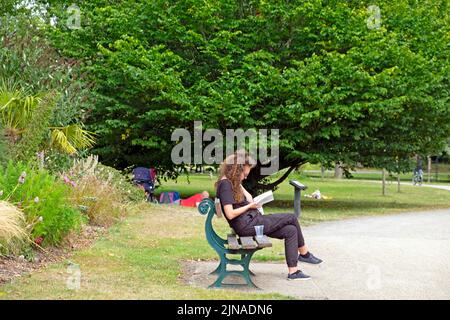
233,213
254,205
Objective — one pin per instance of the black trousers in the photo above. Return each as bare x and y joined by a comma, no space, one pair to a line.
280,225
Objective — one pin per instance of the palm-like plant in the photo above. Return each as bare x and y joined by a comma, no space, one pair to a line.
17,108
71,138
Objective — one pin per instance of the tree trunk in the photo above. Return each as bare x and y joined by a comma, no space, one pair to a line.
255,182
437,169
322,171
383,177
429,169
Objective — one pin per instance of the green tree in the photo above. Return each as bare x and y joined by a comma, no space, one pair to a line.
340,83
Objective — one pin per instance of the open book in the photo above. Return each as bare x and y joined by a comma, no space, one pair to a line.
263,199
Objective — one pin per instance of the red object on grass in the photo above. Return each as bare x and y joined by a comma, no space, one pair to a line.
38,240
191,201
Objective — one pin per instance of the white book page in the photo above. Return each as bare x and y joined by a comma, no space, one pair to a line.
263,199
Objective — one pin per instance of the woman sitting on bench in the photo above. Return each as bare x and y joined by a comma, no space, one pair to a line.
242,214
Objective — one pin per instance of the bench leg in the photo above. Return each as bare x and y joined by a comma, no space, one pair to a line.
246,273
222,272
216,271
250,271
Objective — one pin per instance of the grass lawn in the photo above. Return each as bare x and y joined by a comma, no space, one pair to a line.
438,175
141,257
376,175
349,198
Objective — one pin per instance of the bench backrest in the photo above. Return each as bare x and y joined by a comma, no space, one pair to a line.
208,207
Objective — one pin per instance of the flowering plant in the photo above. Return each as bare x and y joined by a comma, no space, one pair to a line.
42,198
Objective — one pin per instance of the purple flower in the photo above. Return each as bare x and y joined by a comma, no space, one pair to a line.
66,179
22,177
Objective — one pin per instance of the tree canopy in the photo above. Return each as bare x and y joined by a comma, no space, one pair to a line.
340,82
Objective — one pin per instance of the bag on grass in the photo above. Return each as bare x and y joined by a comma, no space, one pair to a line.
169,197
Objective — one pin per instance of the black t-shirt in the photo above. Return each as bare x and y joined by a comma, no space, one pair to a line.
225,194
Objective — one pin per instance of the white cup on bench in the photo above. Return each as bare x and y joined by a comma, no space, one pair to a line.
259,231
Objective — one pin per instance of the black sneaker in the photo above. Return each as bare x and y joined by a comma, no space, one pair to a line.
310,259
298,275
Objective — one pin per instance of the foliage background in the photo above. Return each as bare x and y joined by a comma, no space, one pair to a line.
338,89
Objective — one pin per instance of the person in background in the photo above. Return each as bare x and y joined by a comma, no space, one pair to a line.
418,172
194,200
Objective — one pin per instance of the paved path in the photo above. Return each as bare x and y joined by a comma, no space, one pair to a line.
390,182
436,186
404,256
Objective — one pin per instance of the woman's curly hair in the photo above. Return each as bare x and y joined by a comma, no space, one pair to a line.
231,168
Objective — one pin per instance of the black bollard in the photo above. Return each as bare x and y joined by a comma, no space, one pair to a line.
298,187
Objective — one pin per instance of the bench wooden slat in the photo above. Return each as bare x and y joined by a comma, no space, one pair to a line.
263,242
233,243
248,243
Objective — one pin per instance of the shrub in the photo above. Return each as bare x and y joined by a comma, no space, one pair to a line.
103,193
12,228
27,58
35,132
43,199
51,94
91,166
129,191
57,162
99,200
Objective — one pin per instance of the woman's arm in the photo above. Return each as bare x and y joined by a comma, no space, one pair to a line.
233,213
247,194
225,194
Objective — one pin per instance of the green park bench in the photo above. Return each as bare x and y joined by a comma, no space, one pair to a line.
244,247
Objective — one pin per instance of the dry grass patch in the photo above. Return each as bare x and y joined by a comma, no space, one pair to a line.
12,231
170,221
